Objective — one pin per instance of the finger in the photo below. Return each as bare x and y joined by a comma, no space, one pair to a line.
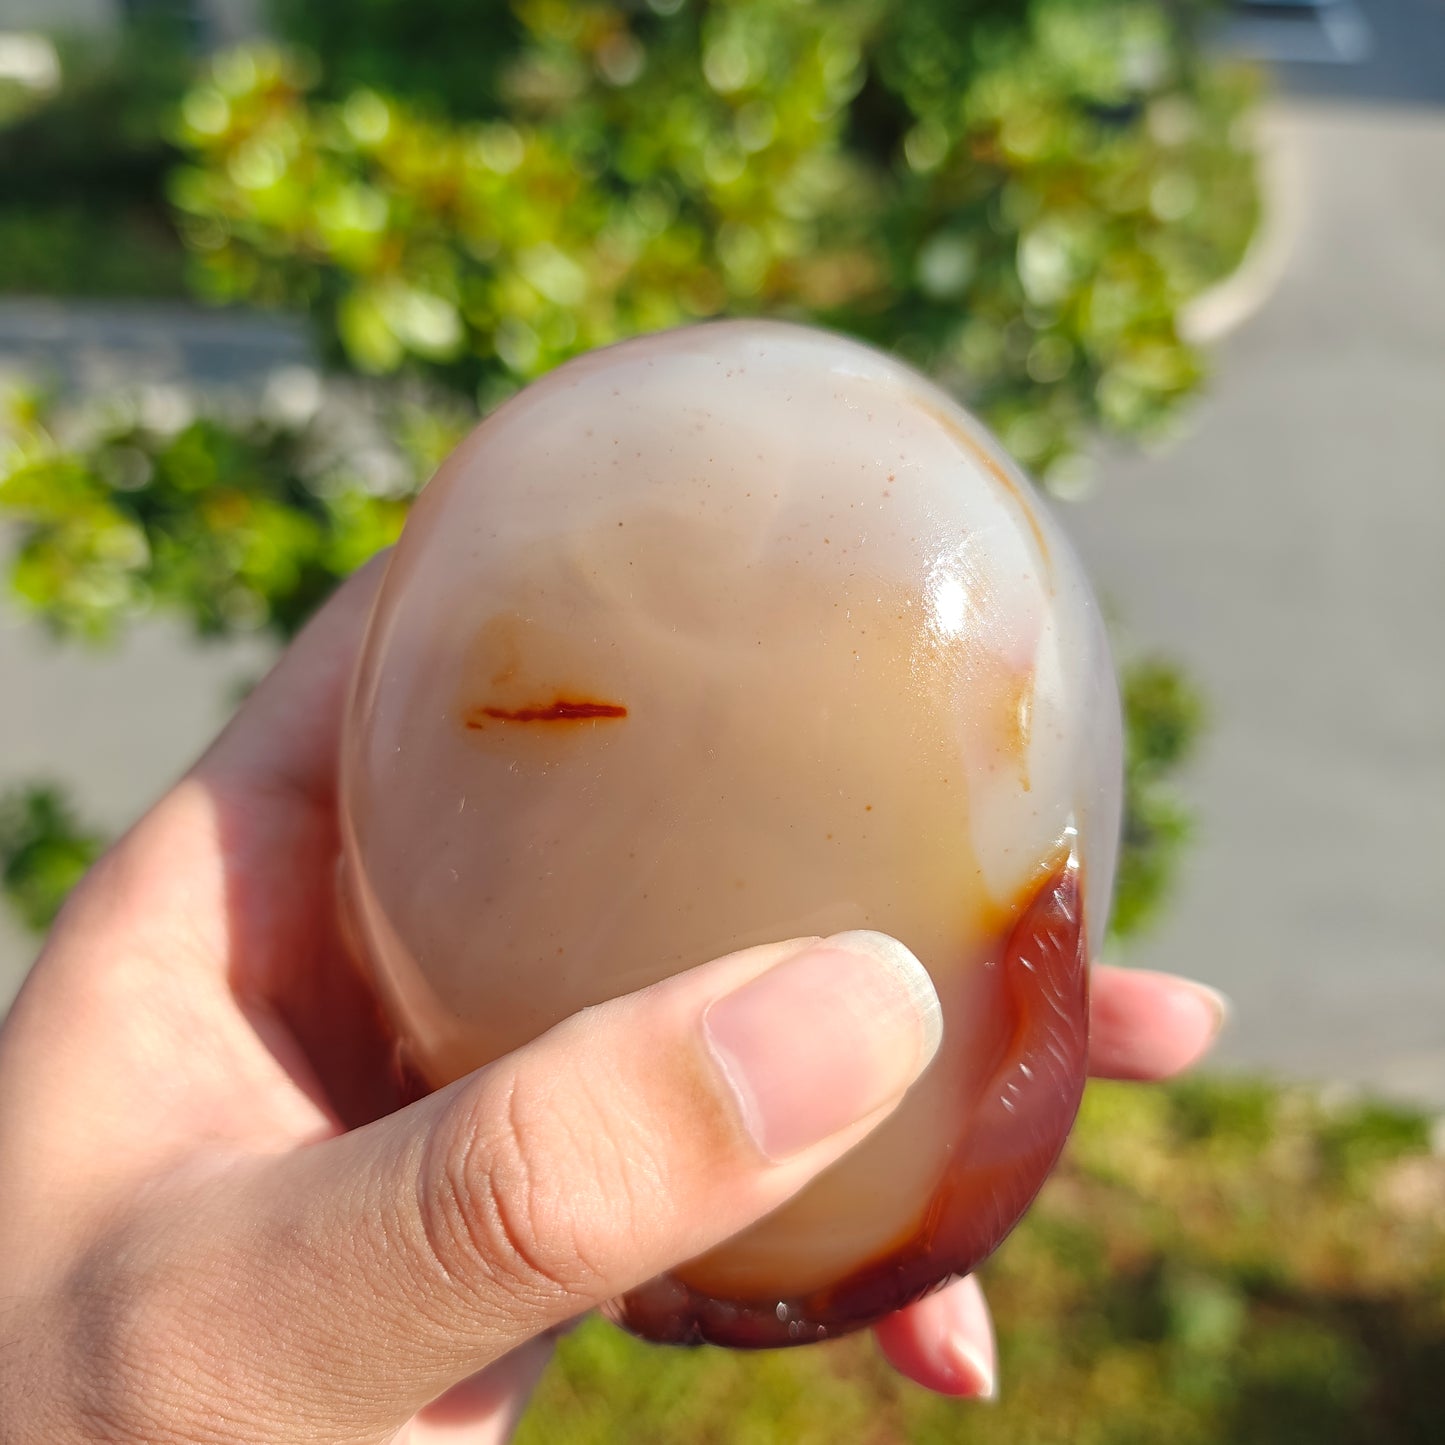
286,737
398,1259
485,1409
223,890
1150,1025
272,772
268,785
945,1342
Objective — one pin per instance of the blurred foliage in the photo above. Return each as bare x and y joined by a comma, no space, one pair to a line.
1163,718
83,208
1019,197
243,520
447,55
57,250
235,522
32,77
43,852
1199,1271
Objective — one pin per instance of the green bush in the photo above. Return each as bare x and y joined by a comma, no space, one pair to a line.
44,851
1021,198
1164,716
447,55
82,174
233,523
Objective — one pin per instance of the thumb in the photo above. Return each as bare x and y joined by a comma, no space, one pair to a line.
373,1271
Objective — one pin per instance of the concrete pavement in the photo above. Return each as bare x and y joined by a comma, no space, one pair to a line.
1289,552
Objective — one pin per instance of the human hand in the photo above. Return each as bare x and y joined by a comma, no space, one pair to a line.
216,1223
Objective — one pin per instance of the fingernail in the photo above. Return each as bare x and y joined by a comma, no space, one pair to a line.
824,1039
1220,1008
975,1372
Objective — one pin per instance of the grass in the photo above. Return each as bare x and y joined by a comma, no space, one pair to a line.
1216,1263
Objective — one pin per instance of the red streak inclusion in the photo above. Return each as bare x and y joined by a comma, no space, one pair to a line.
563,710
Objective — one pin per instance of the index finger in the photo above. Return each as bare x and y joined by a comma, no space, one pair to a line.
1146,1025
286,738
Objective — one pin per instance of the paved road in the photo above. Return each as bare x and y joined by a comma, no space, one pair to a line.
223,21
103,346
1288,550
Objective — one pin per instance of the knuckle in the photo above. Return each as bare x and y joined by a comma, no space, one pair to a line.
533,1200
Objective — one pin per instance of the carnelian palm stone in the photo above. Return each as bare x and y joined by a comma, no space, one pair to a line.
727,635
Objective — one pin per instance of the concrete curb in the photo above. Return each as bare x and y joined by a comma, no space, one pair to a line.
1226,306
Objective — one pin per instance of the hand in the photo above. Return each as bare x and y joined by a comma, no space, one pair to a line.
216,1224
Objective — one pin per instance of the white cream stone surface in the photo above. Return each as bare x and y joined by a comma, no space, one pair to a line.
865,686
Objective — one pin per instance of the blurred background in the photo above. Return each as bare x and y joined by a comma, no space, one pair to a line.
262,262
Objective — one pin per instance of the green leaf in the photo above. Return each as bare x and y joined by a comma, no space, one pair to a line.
44,851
